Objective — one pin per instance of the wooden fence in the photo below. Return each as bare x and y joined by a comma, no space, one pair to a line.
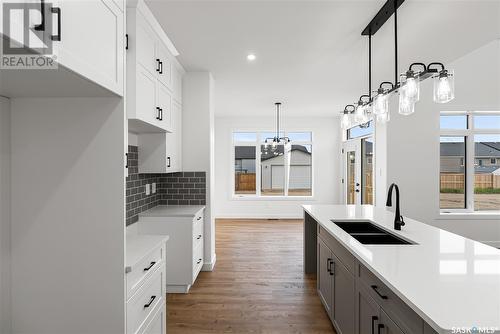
456,181
244,182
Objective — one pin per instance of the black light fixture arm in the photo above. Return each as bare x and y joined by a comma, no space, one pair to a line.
410,69
436,64
363,97
381,87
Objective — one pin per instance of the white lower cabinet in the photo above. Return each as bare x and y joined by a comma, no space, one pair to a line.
186,242
145,282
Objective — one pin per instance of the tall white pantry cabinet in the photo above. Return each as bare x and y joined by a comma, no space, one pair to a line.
68,145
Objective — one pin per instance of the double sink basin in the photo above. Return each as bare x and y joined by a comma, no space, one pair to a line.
370,234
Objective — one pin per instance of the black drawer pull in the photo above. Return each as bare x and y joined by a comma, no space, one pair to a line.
150,302
332,268
57,11
161,67
199,260
328,265
374,318
199,237
380,326
169,162
150,266
375,288
157,65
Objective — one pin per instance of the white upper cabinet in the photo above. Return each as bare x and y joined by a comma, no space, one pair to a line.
150,61
86,40
91,40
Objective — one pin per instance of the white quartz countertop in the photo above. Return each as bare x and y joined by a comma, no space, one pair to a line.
140,245
449,280
172,211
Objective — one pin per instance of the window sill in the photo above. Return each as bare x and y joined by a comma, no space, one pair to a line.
485,215
272,198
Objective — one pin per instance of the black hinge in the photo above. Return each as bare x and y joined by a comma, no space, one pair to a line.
126,41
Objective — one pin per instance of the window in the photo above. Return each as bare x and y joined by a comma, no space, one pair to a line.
469,168
264,170
358,131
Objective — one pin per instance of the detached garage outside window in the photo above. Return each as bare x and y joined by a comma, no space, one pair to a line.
272,171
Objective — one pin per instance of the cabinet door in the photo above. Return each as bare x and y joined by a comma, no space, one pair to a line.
387,325
146,45
324,276
165,68
174,139
146,108
367,312
164,102
91,40
343,297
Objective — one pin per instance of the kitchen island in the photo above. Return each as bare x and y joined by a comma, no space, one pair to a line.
438,283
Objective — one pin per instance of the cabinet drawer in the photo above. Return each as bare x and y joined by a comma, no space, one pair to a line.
141,305
197,260
340,251
157,321
144,269
197,233
397,310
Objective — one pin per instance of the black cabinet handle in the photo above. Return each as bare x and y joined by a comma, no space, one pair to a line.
199,237
379,327
126,41
57,10
374,318
332,268
357,190
158,113
168,162
199,218
375,288
150,302
157,65
328,262
199,261
126,158
41,26
161,114
161,67
150,266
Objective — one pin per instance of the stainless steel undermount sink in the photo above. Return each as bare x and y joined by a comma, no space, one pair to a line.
370,234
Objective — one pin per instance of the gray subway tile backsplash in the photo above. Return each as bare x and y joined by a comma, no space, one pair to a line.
182,188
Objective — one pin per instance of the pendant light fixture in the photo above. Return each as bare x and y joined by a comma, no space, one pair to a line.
407,84
347,116
277,139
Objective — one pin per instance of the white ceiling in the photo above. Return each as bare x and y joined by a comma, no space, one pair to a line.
310,54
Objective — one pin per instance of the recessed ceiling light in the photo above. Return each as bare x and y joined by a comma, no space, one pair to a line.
251,57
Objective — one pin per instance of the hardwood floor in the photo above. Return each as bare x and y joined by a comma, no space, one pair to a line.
258,285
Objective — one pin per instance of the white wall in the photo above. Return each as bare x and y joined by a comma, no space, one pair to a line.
198,144
326,167
413,143
5,266
68,214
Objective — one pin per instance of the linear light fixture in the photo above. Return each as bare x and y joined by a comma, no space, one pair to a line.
406,84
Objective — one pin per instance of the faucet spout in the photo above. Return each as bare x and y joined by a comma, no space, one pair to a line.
398,219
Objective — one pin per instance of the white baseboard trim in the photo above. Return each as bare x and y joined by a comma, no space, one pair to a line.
209,266
257,216
178,288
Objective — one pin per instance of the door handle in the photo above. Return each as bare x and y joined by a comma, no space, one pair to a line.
57,11
41,26
150,302
375,288
374,318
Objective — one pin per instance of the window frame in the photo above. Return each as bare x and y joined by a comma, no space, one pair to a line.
469,134
258,177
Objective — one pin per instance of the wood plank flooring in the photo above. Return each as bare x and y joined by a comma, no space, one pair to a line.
258,285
